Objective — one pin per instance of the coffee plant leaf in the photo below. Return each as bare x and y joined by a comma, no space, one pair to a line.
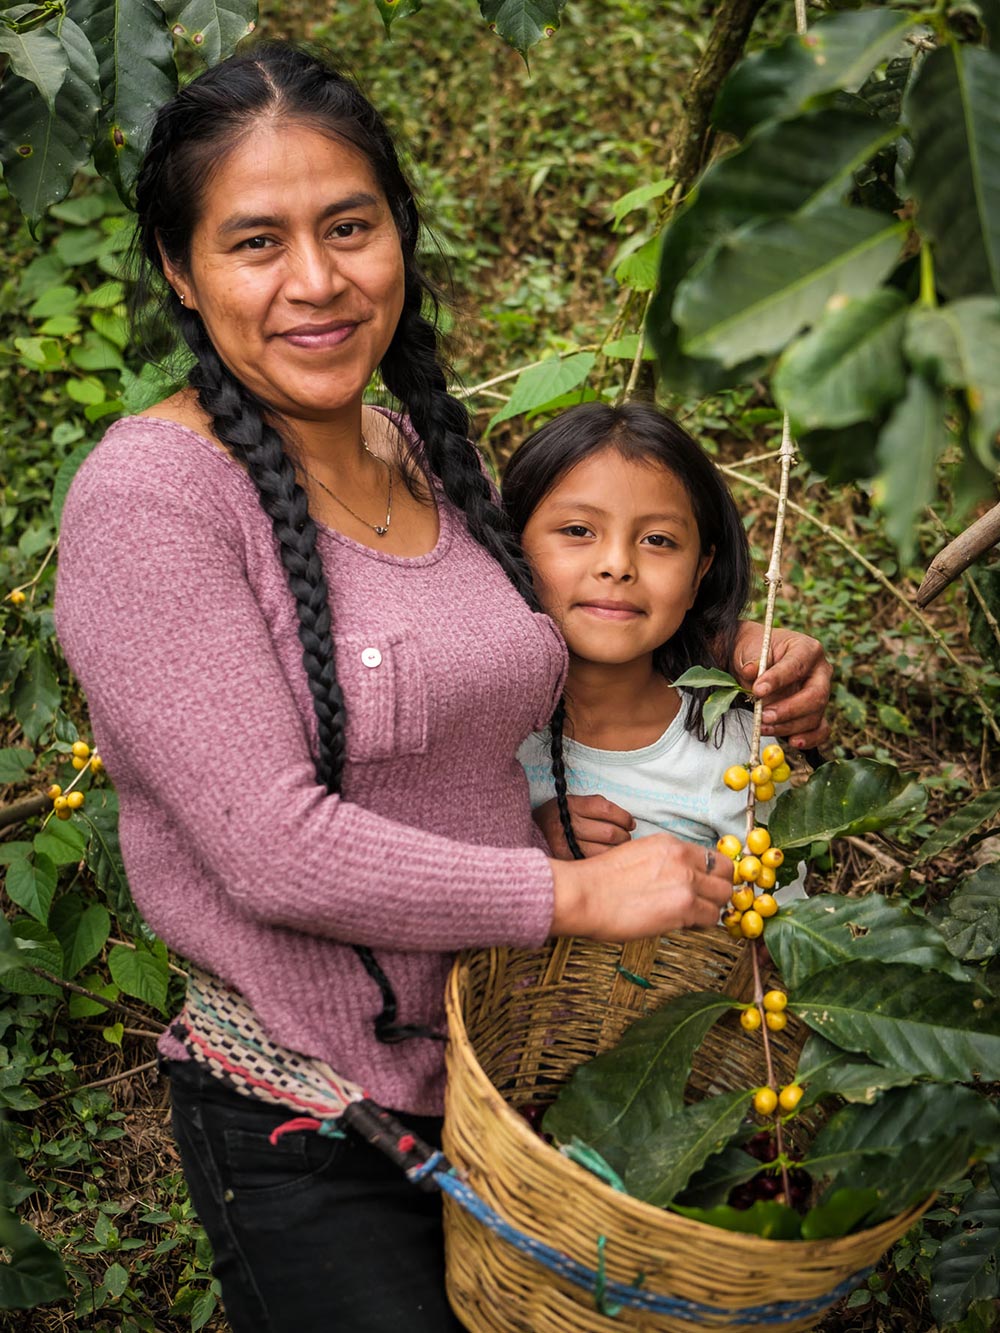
845,796
989,13
37,56
539,385
43,146
721,1173
37,694
815,933
826,1071
838,52
662,1164
82,930
33,1274
953,112
621,1097
137,75
705,678
36,947
773,1221
909,446
849,367
522,23
965,1267
969,918
846,454
769,280
839,1214
213,29
904,1017
957,827
104,858
14,764
31,883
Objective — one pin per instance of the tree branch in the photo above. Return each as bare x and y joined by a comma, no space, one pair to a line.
958,555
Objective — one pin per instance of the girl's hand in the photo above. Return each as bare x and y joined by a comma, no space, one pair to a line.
646,887
796,686
597,823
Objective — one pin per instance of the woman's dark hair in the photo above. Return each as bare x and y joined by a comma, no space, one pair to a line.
282,83
644,434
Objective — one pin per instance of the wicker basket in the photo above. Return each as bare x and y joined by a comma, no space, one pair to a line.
520,1023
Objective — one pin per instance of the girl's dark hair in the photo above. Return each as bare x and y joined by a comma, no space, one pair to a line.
281,83
644,434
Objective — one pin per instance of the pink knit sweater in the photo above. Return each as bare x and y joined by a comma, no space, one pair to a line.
174,613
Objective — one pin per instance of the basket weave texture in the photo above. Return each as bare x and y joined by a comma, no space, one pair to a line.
520,1022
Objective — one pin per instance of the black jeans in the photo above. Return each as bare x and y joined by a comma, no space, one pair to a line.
312,1234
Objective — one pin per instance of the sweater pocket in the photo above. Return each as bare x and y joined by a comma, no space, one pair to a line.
385,692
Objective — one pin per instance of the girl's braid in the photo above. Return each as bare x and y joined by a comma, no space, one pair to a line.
556,726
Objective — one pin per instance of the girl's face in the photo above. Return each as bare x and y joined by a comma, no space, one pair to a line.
616,555
296,269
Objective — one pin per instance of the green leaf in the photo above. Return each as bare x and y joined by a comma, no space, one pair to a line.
839,1214
958,826
712,1184
38,947
32,885
82,930
137,75
33,1275
661,1164
957,346
965,1267
41,147
763,284
905,1017
815,933
849,366
36,56
104,856
773,1221
969,919
827,1071
846,454
82,1007
14,851
845,796
838,52
141,973
64,841
113,1033
538,385
67,471
391,10
214,29
705,678
909,446
717,705
639,269
151,385
14,764
36,694
953,111
626,348
522,23
620,1097
637,198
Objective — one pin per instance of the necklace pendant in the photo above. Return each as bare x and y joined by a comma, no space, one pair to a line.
380,531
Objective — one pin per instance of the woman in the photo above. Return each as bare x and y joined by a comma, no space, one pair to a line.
311,650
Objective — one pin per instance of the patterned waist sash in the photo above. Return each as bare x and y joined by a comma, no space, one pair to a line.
220,1030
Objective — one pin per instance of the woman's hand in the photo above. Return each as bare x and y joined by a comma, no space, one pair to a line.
796,686
597,823
646,887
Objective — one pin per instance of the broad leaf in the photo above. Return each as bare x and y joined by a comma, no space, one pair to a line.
37,947
14,764
32,885
839,1214
827,1071
965,1267
638,198
33,1274
137,75
214,28
838,52
957,346
969,919
622,1096
773,1221
81,928
905,1017
842,455
721,1173
391,10
845,796
661,1165
849,367
104,857
522,23
762,285
957,827
953,110
64,841
36,694
37,56
909,446
68,469
717,705
141,973
812,934
539,385
41,147
705,678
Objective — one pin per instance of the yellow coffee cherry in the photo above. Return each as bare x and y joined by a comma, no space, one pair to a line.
78,763
781,773
761,773
789,1097
81,749
729,846
96,763
742,898
751,925
767,878
749,868
765,1100
750,1020
64,813
773,858
775,1001
60,802
75,799
764,791
54,791
16,597
736,778
736,873
776,1021
773,756
765,904
731,921
758,840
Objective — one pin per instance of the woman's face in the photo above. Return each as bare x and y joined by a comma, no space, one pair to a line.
296,269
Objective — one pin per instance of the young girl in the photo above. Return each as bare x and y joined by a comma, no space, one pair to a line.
639,555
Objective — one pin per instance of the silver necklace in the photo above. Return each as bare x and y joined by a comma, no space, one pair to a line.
379,529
